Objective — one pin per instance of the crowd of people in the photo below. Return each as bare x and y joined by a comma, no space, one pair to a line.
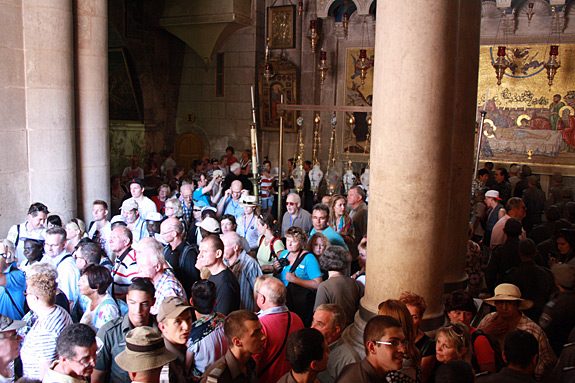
194,279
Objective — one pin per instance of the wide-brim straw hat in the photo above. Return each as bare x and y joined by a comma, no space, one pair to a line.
509,292
247,200
145,350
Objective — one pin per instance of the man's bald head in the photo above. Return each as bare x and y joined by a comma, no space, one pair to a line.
172,224
236,188
274,290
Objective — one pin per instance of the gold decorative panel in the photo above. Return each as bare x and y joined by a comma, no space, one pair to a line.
527,120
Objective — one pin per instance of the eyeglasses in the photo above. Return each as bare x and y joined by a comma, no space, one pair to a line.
52,244
290,203
393,343
456,330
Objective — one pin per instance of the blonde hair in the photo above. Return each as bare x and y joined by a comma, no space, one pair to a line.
77,224
44,286
458,335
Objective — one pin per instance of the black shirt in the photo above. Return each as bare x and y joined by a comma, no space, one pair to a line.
227,292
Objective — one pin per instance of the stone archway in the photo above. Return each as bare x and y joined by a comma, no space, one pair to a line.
189,147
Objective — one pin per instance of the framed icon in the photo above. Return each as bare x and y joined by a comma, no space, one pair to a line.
281,26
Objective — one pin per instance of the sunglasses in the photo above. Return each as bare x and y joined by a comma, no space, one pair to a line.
456,330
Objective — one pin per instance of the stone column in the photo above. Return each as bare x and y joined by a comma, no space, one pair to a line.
413,111
49,87
463,135
91,27
14,177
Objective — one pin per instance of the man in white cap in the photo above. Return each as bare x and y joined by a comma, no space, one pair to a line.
135,223
9,346
144,355
494,212
508,302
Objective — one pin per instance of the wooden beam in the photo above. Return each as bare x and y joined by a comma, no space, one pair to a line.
324,108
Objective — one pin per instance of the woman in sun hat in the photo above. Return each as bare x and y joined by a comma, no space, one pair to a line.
508,317
247,223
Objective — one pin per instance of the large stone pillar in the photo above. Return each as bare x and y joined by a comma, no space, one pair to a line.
413,111
463,135
91,27
14,178
49,87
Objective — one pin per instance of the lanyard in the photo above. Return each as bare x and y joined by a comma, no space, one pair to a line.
249,224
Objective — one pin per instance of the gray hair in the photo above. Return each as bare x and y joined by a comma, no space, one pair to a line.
273,289
335,258
294,195
235,238
339,318
155,248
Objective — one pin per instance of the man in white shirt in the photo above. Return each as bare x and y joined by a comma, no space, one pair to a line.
145,205
56,254
100,229
33,228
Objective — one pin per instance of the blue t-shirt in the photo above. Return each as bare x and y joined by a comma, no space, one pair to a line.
333,237
15,285
308,269
199,195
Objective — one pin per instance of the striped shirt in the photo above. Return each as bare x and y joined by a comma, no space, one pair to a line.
39,345
125,270
167,286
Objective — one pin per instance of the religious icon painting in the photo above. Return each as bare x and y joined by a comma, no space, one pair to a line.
281,27
282,87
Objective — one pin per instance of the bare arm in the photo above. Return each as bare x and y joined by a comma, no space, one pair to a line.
222,202
216,197
98,376
3,279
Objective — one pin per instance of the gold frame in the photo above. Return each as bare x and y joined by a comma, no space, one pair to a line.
285,82
281,27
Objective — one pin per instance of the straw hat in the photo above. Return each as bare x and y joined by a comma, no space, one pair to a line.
509,292
209,224
145,350
247,200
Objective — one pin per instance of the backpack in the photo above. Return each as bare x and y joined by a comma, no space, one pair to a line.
272,243
499,362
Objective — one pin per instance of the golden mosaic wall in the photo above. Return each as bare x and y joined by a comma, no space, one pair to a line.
527,120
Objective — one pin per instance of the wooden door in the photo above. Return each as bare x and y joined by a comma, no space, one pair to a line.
189,147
